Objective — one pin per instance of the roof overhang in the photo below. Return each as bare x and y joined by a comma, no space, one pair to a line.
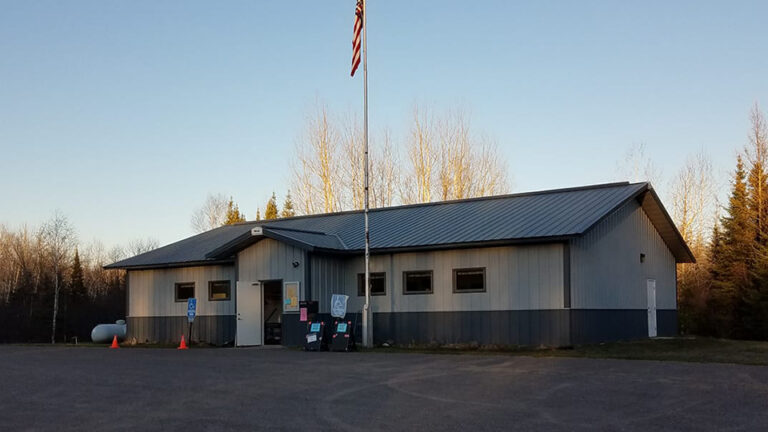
227,261
666,227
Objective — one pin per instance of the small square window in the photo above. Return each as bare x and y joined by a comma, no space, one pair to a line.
218,290
184,291
378,284
469,280
417,282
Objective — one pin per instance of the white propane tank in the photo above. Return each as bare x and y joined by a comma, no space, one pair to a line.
103,333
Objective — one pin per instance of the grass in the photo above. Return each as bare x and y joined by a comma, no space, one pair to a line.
699,350
684,349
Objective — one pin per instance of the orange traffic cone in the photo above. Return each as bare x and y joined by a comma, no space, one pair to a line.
114,342
183,344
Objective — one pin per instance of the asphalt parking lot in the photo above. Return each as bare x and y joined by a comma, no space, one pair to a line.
47,388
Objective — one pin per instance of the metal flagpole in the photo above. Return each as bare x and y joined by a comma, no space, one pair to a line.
367,315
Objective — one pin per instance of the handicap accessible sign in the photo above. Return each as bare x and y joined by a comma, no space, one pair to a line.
191,309
339,305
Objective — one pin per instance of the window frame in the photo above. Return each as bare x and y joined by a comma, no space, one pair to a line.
361,284
229,290
176,291
431,282
455,282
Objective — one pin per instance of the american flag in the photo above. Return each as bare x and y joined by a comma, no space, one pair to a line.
356,40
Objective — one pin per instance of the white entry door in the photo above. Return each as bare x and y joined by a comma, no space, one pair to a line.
651,307
249,305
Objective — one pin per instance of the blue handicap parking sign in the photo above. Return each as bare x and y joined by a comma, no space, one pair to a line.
191,309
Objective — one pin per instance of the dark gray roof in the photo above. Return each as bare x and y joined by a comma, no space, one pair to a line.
517,218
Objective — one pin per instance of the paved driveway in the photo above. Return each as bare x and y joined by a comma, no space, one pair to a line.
44,388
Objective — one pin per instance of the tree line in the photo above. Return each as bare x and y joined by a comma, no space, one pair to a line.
725,294
442,157
53,289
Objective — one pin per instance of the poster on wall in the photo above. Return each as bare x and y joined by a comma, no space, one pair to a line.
291,297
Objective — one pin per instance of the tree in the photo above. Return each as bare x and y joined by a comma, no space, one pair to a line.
637,166
59,240
77,281
140,246
693,201
448,160
258,214
316,180
288,210
233,213
752,304
385,172
733,250
212,214
271,211
422,156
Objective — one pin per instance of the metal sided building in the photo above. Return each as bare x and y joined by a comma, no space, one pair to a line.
557,267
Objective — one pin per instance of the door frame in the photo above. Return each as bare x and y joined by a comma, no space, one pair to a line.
282,309
653,324
260,287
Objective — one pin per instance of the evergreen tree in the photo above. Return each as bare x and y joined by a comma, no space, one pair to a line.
77,284
288,210
271,211
731,267
233,213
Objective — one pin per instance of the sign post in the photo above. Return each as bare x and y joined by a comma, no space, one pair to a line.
191,312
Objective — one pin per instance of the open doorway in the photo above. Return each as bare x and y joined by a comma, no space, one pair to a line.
273,312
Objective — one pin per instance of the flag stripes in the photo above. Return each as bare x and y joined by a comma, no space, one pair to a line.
357,36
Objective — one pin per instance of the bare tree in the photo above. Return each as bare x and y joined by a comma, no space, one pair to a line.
448,160
385,172
422,155
139,246
212,214
693,200
757,155
637,166
316,179
353,166
59,240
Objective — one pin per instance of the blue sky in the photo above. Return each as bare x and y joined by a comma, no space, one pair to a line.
125,115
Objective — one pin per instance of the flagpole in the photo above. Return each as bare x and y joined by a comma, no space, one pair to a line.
367,315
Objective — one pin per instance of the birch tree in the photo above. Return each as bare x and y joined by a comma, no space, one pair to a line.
316,179
212,214
385,172
59,240
422,155
353,167
637,166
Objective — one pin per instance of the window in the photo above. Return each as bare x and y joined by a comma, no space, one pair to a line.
469,280
417,282
378,284
218,290
184,291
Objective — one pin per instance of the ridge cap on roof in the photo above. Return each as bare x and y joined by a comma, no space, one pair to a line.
454,201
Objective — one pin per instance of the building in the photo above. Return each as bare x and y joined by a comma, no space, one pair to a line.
558,267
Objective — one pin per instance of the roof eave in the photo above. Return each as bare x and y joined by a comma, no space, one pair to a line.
198,263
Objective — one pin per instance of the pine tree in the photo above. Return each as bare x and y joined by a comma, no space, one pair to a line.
271,211
288,210
77,283
731,268
233,213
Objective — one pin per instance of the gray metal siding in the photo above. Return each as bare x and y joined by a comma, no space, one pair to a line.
606,272
270,259
216,330
152,292
517,278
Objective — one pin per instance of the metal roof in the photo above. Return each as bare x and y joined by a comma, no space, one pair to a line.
504,219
